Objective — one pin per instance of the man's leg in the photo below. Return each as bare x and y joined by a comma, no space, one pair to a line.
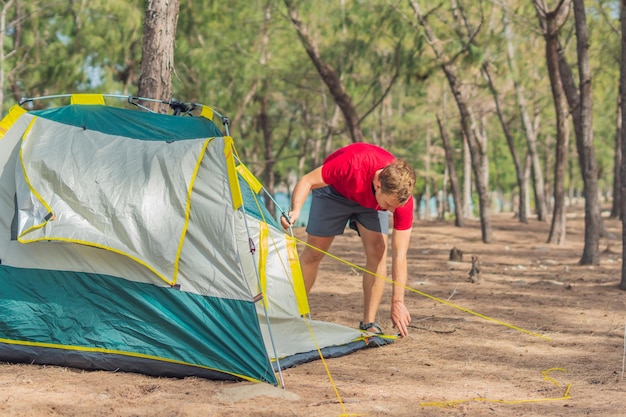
310,258
375,246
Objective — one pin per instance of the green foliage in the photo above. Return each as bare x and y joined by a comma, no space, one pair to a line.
62,47
246,60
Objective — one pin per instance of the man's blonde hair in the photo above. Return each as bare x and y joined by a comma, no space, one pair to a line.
398,178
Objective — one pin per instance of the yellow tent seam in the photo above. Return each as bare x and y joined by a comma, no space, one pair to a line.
263,251
299,288
119,352
232,172
95,245
7,121
249,177
188,209
27,180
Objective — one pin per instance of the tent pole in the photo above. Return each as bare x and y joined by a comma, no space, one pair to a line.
267,318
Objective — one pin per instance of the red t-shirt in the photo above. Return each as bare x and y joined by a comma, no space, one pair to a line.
350,170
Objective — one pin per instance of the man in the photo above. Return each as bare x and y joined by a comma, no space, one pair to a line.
360,183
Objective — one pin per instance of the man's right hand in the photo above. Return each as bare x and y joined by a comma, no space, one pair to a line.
289,219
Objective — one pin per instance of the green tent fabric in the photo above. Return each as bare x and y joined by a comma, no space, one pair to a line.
128,241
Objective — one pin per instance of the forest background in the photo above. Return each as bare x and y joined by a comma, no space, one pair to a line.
486,99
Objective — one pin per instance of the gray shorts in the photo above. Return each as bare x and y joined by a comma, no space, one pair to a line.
331,212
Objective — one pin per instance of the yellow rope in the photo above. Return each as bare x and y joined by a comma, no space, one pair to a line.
330,377
319,351
454,403
423,294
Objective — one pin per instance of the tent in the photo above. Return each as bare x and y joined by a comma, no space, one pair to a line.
134,241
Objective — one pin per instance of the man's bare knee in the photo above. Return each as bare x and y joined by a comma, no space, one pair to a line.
311,256
375,251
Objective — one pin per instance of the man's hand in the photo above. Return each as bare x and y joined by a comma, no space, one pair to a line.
308,182
289,219
400,317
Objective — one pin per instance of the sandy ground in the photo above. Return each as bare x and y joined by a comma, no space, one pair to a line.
538,335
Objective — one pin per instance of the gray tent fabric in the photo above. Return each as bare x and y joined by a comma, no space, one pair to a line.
130,240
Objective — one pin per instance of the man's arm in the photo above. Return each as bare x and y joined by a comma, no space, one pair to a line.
300,192
400,316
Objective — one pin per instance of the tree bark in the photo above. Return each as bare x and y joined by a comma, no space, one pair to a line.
428,178
459,220
519,171
468,203
157,62
580,105
269,161
527,171
478,153
623,138
616,207
584,142
551,22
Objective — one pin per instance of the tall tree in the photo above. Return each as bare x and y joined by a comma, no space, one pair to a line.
580,105
616,206
157,59
623,138
459,220
478,149
329,75
272,147
529,124
359,56
551,22
519,169
581,108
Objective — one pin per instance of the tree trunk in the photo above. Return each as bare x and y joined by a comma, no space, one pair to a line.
459,220
468,203
623,138
479,159
329,75
444,207
519,171
530,130
539,181
551,23
269,161
616,207
580,105
548,167
477,149
427,179
527,171
157,62
584,142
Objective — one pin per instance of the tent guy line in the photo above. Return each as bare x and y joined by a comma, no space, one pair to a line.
423,294
454,403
